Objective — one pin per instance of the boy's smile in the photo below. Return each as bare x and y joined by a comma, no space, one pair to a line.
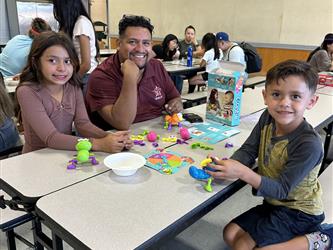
286,102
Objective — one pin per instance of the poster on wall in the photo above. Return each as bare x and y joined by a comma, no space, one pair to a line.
26,11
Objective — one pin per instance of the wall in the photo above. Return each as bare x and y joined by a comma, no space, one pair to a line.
268,21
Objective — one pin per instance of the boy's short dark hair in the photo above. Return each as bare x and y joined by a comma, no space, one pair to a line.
134,21
189,27
293,68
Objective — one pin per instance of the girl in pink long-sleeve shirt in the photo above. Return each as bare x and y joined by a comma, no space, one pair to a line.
51,100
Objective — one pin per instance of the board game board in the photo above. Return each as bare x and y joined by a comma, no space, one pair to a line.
167,162
212,132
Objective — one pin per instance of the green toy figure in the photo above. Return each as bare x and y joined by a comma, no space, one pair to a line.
83,155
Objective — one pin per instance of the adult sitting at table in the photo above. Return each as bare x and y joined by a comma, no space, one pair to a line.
232,52
170,47
169,51
321,59
14,56
188,41
131,86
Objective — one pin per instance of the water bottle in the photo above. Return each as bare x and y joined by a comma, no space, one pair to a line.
189,56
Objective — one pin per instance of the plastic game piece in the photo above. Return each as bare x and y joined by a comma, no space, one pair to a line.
171,138
139,142
229,145
137,137
208,186
184,133
204,162
152,136
83,155
198,173
173,120
201,145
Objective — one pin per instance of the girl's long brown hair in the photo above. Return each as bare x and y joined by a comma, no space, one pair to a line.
6,104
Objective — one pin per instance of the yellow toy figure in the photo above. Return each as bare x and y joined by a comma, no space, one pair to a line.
173,120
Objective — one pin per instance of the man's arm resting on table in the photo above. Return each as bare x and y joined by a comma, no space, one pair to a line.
122,114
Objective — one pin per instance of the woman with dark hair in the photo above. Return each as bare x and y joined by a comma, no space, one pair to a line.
210,60
322,57
8,133
74,20
170,47
13,57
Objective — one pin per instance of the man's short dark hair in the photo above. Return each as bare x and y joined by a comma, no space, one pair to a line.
293,68
134,21
189,27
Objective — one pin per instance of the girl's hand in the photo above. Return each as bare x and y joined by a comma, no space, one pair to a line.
115,142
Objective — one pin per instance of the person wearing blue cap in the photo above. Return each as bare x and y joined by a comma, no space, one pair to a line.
231,51
322,57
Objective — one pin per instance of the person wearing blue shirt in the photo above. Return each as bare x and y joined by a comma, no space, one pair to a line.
14,56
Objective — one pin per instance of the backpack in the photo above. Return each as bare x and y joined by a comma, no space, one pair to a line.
252,58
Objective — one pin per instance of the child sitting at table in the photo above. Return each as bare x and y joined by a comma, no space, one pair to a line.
210,60
9,136
289,154
51,100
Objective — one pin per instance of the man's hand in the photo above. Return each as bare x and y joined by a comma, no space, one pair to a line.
131,71
174,106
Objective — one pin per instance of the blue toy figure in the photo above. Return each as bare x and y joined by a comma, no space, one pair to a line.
83,155
200,174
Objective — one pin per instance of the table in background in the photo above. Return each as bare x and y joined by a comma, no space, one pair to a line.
253,81
325,90
179,67
10,84
107,52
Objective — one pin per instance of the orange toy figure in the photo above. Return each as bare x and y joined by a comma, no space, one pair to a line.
173,120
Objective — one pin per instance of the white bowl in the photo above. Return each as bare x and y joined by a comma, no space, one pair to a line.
124,164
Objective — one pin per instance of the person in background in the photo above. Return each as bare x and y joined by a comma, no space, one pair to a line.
9,136
231,51
210,60
51,100
170,47
188,41
13,57
322,57
131,86
169,51
289,154
74,20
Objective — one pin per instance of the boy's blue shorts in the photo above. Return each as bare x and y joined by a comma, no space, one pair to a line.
268,224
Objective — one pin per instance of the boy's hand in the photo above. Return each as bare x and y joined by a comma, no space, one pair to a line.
225,169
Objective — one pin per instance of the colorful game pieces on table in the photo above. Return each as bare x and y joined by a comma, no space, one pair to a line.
167,161
201,145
